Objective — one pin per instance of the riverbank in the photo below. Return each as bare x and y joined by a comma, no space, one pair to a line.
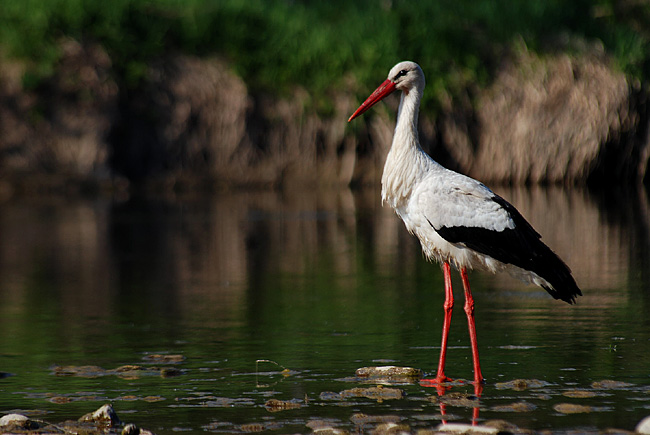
93,103
195,124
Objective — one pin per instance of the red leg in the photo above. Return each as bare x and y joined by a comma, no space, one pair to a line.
469,310
448,307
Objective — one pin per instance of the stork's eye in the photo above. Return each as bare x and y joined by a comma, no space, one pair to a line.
402,73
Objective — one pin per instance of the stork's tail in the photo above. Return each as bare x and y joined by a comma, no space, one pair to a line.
538,258
559,281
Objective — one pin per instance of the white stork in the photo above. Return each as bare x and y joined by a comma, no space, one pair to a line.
458,220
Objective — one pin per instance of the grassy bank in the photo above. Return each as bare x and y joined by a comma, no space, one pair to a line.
275,45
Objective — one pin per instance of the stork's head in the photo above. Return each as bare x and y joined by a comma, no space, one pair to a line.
404,76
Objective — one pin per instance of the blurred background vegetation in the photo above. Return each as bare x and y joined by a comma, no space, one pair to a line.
321,45
260,90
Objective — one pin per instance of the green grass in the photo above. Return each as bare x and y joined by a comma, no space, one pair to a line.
322,45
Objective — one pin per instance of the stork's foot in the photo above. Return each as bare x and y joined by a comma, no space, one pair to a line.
435,382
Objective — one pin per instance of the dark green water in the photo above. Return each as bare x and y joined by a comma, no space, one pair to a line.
321,284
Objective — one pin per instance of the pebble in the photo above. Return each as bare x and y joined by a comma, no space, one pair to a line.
252,427
324,427
329,430
644,426
105,415
17,421
93,423
459,428
391,429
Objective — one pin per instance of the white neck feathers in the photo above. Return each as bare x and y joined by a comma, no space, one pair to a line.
406,163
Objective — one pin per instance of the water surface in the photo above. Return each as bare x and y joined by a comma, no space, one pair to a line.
319,283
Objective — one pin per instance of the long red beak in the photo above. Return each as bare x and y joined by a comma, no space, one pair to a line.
380,93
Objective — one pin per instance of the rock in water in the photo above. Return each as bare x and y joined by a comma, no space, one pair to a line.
17,421
644,426
105,416
390,373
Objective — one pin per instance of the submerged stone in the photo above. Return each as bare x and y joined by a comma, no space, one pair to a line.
458,399
329,430
224,402
390,373
87,371
609,384
515,407
60,399
330,395
129,371
361,419
571,408
391,429
274,405
323,427
259,427
129,368
579,394
164,359
521,384
152,399
170,372
376,393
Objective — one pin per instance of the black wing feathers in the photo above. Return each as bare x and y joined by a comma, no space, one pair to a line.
522,247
